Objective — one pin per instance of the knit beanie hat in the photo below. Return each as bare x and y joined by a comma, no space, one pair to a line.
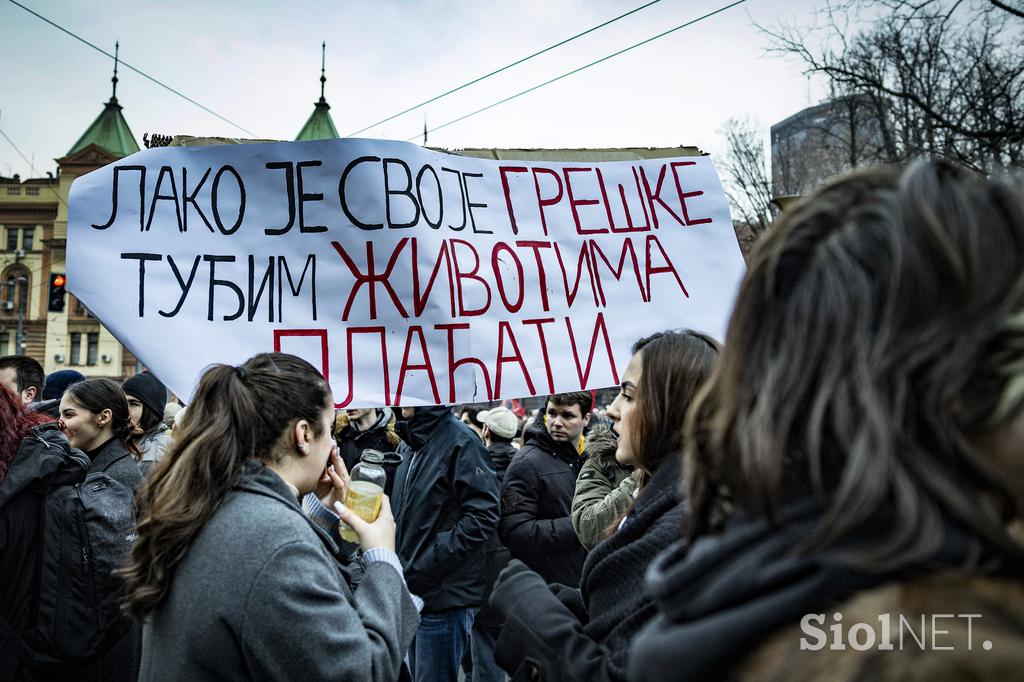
58,382
148,389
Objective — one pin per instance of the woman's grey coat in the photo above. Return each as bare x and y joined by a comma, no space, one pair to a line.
259,596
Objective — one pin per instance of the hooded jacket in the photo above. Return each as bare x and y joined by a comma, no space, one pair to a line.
556,633
352,441
719,601
445,504
604,488
536,497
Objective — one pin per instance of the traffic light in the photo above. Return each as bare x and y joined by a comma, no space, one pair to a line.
58,282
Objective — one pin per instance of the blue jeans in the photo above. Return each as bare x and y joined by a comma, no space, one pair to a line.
441,641
484,667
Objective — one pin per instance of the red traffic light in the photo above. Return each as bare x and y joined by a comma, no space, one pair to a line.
59,281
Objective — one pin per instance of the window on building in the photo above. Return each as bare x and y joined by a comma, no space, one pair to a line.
28,238
94,347
9,286
5,340
12,239
76,348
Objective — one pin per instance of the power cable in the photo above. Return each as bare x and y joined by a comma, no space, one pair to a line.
581,68
32,166
504,68
129,66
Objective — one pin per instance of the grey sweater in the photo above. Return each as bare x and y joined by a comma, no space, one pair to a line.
259,596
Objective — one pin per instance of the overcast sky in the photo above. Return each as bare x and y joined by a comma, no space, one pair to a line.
257,63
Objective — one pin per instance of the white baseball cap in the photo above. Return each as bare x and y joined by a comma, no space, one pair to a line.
500,421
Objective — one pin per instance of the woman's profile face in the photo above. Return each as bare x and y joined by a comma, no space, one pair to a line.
85,430
621,411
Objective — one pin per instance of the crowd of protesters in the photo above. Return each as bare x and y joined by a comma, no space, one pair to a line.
853,448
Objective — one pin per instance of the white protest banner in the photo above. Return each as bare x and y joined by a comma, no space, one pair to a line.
407,276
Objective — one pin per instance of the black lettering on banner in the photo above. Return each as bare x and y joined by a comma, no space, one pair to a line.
284,273
407,192
241,201
254,299
462,198
344,202
440,196
191,198
214,282
142,258
173,196
185,286
289,182
113,197
469,202
305,197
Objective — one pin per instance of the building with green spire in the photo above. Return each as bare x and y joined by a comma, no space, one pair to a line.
320,126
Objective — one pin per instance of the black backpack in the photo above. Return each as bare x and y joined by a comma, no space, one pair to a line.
88,526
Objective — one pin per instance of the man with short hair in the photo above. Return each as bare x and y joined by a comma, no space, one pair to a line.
24,377
536,495
445,502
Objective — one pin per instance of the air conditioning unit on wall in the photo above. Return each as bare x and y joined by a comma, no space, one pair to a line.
106,358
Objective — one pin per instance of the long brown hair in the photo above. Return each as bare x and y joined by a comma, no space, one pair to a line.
237,414
673,367
96,395
878,327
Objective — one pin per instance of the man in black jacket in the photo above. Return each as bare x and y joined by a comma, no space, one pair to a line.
536,495
445,502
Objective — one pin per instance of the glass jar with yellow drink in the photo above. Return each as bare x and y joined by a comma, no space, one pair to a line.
365,491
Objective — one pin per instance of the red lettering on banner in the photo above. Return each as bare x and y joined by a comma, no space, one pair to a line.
683,196
349,334
549,201
454,364
372,278
584,258
325,364
540,322
499,280
599,327
607,205
668,267
646,227
472,274
425,366
419,301
503,171
542,277
656,195
574,202
627,249
503,329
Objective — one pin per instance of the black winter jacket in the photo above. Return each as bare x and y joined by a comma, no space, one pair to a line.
352,441
558,633
536,497
721,598
446,508
45,460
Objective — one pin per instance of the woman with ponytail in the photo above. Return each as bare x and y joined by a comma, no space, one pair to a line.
231,578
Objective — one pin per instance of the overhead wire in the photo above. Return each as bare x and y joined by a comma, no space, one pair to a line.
506,67
31,166
129,66
578,69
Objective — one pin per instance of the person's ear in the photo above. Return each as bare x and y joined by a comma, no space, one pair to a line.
104,417
302,436
29,394
586,419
